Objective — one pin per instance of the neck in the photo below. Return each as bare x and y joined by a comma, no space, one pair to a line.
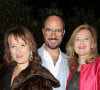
81,60
54,53
51,50
21,67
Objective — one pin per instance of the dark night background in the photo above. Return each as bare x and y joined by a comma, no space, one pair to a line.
65,5
29,13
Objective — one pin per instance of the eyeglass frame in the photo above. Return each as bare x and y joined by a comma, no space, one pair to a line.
57,31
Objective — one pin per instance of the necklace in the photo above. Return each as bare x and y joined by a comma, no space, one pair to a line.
81,62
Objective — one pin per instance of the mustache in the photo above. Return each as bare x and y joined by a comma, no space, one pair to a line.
52,39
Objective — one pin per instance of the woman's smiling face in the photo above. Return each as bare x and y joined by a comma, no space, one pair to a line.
83,42
19,50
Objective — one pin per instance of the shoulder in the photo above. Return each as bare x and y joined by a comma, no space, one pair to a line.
41,77
64,56
42,71
45,75
40,50
97,62
95,65
98,59
97,68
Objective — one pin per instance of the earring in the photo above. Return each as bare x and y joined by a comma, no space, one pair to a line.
12,59
31,56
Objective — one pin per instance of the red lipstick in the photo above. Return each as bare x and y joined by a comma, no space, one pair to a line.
82,47
19,56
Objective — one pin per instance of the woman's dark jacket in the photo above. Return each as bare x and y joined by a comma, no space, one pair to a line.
40,79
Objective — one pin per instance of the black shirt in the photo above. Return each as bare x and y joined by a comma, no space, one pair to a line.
8,78
74,82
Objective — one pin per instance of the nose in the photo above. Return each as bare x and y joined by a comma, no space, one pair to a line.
82,42
54,34
18,50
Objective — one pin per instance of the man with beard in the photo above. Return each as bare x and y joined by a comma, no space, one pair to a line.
52,57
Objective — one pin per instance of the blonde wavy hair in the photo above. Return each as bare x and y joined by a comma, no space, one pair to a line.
72,56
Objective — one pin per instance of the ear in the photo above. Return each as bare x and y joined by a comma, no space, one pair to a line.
43,31
63,32
92,44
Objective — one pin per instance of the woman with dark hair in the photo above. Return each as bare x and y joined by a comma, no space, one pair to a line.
22,68
84,62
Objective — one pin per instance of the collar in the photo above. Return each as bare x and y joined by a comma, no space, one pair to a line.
48,58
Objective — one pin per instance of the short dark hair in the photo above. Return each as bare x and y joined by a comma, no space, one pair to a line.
53,12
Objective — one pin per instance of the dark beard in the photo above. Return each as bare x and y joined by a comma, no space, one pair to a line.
50,46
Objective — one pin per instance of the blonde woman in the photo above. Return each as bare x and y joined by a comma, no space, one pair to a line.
84,62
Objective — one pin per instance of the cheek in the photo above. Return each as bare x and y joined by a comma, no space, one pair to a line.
59,37
27,56
13,55
76,46
46,36
12,52
76,49
27,52
89,45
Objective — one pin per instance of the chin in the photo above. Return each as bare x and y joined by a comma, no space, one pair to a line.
83,54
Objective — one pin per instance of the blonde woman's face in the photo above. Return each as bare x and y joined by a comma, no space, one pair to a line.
83,43
19,50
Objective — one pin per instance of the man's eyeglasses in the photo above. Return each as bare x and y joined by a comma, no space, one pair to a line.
57,31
